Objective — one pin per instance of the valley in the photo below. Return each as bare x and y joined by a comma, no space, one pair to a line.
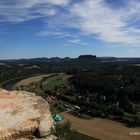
86,91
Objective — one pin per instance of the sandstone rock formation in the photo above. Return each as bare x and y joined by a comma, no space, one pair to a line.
22,115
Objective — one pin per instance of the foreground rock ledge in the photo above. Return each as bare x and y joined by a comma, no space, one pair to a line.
22,114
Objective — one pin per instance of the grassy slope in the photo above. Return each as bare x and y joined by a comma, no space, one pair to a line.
52,82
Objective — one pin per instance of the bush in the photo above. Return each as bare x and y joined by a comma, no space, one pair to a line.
62,130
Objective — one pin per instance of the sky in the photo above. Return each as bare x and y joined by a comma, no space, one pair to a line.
69,28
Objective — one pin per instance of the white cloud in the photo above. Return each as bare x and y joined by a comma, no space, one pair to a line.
98,19
31,3
59,34
95,17
58,2
78,41
89,17
22,10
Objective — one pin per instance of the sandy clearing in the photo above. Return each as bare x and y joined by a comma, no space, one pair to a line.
137,65
29,80
103,129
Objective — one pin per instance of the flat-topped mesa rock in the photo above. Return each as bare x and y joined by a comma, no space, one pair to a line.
23,114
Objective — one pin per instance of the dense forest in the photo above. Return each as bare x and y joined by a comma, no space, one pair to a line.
108,94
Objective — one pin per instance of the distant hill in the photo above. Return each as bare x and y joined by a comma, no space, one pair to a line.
53,59
43,59
67,59
87,57
115,59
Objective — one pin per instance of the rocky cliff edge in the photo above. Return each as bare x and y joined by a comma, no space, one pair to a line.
24,116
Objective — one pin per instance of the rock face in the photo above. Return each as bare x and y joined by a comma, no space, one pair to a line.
23,114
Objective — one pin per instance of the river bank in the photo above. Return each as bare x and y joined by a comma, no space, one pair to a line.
9,84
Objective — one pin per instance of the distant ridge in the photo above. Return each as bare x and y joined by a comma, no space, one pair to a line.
52,59
66,59
87,57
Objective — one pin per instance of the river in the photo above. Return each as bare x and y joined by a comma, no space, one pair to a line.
8,85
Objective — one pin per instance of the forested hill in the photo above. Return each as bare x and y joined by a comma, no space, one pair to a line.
22,67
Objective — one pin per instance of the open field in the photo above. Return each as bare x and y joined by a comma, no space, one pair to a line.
29,80
103,129
56,80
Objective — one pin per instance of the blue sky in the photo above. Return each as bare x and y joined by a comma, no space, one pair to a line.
49,28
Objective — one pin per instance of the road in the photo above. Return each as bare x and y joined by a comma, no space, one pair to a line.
103,129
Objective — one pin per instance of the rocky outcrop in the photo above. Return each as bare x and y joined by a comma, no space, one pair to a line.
23,115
